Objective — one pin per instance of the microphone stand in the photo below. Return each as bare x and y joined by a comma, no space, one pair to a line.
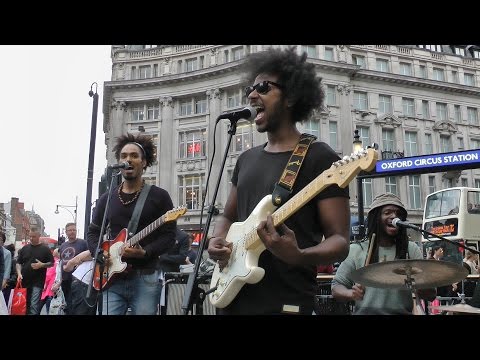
99,258
458,245
199,295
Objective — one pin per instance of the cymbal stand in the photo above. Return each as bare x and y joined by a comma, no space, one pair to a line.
410,283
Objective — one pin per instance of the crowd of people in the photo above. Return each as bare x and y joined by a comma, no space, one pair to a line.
285,89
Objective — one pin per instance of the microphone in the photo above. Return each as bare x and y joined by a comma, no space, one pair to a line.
399,223
123,165
248,113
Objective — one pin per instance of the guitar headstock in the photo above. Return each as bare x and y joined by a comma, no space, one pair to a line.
175,213
343,171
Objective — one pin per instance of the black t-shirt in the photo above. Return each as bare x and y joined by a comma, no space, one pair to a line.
68,250
28,255
158,202
255,175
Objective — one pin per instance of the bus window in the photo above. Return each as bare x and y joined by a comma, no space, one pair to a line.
473,202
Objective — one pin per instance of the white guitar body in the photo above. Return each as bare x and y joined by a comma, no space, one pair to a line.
242,267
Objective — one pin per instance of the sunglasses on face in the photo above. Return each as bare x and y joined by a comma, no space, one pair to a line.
262,87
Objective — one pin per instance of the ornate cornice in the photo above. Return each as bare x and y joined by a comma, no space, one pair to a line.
388,120
344,89
166,101
445,127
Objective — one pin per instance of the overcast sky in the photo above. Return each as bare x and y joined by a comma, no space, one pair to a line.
45,127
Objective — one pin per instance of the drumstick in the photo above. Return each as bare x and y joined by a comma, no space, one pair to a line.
370,249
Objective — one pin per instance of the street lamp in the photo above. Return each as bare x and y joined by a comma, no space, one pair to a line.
91,156
357,146
74,214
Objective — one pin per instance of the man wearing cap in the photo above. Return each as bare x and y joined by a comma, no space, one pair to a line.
388,243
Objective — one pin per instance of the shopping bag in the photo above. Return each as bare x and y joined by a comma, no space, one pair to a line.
3,305
58,303
19,300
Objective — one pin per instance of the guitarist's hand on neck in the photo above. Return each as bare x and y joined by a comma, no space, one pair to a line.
284,246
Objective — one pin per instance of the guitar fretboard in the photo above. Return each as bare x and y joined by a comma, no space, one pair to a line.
145,231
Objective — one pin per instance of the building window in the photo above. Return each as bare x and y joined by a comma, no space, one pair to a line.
310,50
359,60
459,51
428,144
431,184
364,136
312,127
475,143
333,132
472,116
191,64
384,104
408,106
437,48
410,143
243,139
469,79
329,54
425,110
145,72
405,69
367,192
445,143
442,111
457,113
382,65
477,183
476,54
190,191
423,71
414,191
331,96
388,139
464,182
447,183
360,100
192,144
455,77
234,98
186,107
200,106
438,74
391,184
461,144
138,113
237,53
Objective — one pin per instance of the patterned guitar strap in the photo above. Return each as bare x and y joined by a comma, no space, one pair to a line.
283,188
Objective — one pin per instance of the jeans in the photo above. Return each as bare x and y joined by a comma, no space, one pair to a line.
33,300
136,290
79,304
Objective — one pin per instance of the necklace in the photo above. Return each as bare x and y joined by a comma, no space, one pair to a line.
133,199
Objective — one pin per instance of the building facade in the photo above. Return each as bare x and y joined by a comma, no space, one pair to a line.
410,99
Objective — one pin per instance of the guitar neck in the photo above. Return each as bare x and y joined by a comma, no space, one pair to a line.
299,200
147,230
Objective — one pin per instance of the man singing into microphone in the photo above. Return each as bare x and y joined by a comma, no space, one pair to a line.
137,286
388,243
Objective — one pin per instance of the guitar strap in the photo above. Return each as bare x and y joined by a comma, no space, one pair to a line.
133,224
283,188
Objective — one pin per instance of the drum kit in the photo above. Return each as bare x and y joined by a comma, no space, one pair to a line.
414,275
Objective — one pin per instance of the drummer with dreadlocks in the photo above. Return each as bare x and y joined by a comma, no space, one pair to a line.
383,242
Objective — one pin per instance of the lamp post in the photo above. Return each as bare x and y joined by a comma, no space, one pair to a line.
357,146
91,156
66,207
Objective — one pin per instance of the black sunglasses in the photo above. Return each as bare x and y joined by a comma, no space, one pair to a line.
261,87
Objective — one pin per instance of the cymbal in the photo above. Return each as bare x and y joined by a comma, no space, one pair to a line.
425,273
458,308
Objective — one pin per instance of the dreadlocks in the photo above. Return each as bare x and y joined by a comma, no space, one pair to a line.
373,224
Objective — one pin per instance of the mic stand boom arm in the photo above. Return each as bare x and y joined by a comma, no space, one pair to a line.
192,278
475,251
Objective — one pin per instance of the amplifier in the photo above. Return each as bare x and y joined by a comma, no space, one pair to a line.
175,285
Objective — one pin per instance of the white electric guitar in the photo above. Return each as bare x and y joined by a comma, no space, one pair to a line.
243,266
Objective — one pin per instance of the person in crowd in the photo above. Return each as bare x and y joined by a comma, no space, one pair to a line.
285,90
68,250
32,263
177,255
384,242
82,267
7,261
48,293
12,281
137,287
192,251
